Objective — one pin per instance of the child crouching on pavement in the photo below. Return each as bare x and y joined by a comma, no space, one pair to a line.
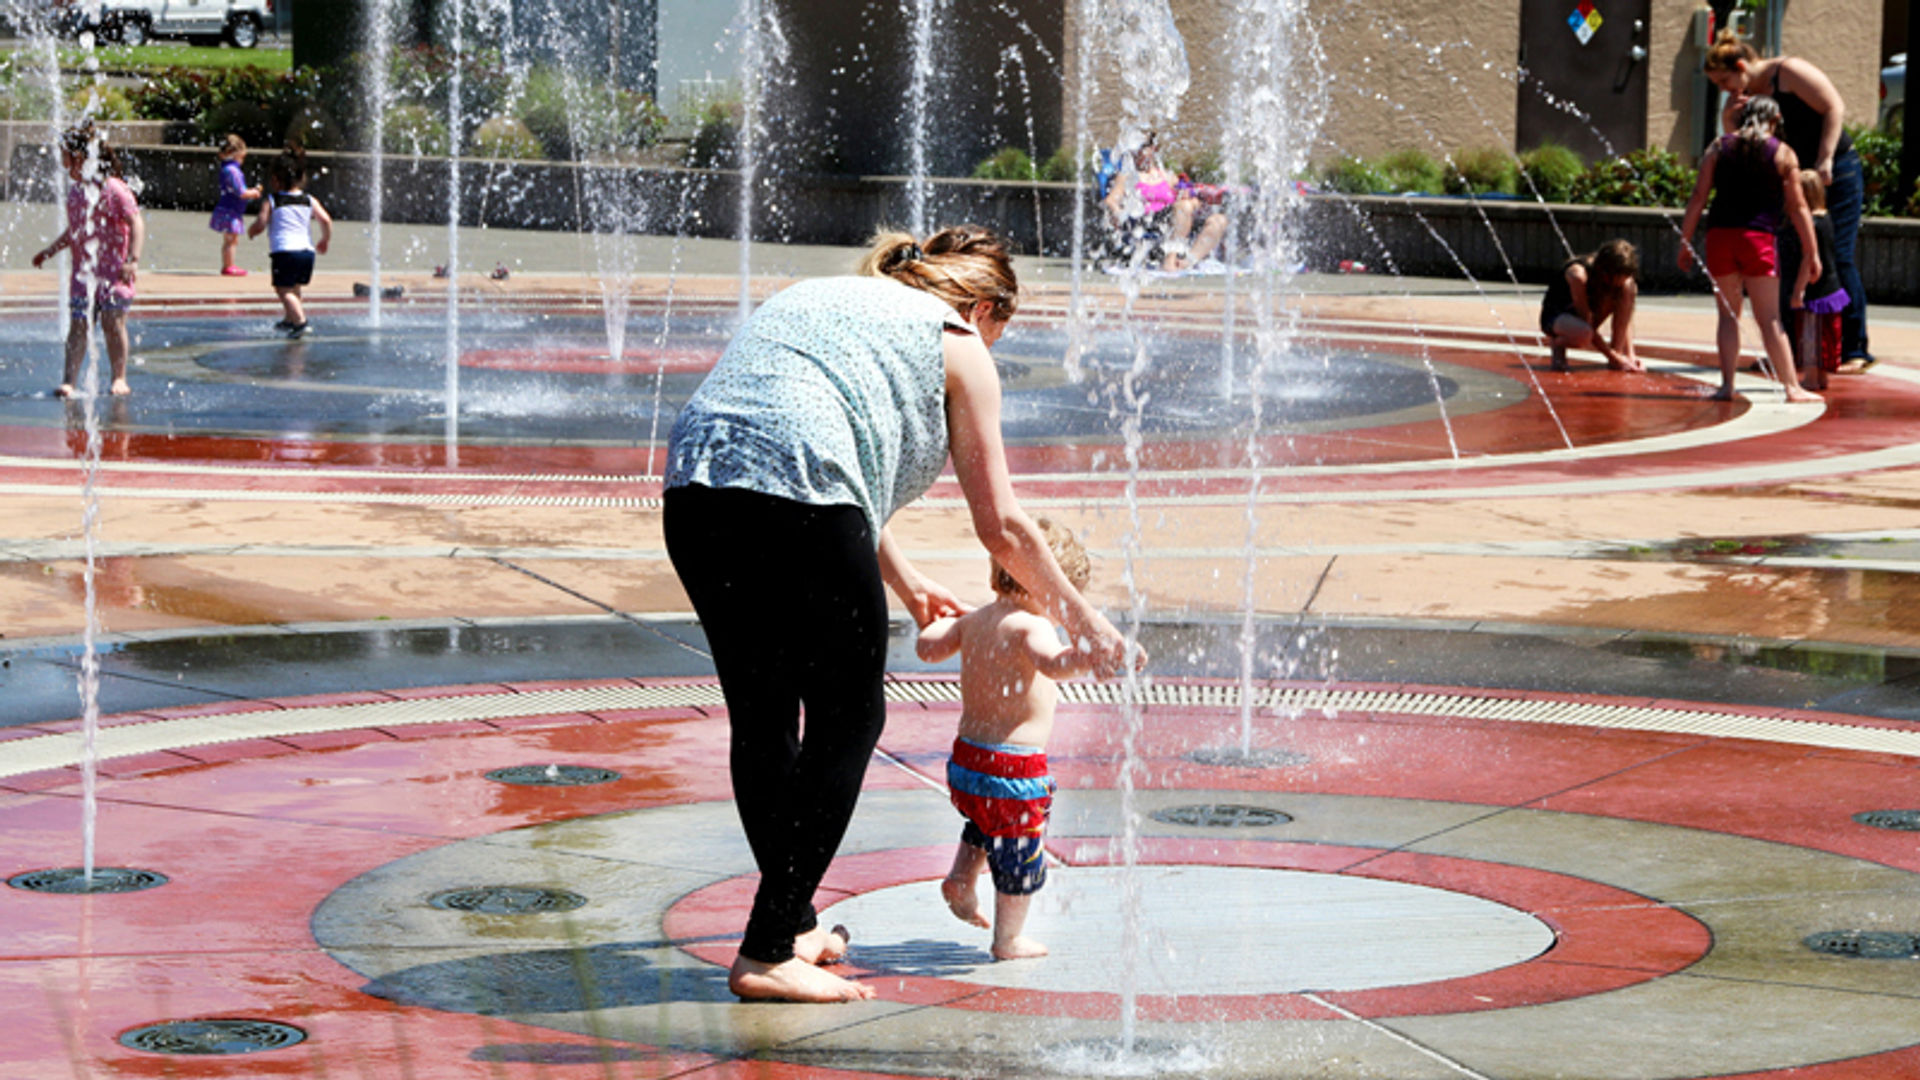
1009,656
1590,290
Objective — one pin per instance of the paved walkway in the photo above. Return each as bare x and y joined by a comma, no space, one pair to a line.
1570,733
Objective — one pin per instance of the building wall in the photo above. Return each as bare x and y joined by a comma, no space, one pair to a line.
1439,77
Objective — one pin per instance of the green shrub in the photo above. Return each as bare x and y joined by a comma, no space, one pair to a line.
1482,171
716,142
173,94
1009,163
250,120
1060,166
423,75
1204,167
1411,170
105,103
1880,170
1550,170
315,128
504,137
1350,175
416,130
1647,177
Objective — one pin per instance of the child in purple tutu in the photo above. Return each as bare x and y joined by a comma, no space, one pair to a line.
230,213
1814,307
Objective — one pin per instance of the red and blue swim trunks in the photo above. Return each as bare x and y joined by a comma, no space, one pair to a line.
1006,795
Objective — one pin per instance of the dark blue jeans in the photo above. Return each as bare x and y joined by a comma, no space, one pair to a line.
1844,198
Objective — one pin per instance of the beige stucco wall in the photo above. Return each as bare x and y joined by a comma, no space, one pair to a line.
1439,76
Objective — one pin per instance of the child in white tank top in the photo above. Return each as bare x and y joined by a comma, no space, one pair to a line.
287,217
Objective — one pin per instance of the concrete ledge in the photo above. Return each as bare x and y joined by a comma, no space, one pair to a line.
1493,240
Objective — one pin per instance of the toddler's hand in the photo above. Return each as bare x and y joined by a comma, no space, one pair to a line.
321,247
39,258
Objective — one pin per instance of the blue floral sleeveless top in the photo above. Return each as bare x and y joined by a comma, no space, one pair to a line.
833,393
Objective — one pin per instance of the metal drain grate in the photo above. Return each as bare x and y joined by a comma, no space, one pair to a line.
212,1037
1901,820
1221,816
74,880
1866,944
553,775
1232,757
507,900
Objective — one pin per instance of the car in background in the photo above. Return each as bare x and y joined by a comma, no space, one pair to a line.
1893,93
132,22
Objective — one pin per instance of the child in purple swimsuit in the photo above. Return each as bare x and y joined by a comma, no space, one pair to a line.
230,213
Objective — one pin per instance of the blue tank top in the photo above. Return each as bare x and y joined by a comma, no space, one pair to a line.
833,393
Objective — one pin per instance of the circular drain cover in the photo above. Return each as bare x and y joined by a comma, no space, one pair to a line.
553,775
1221,816
73,879
1866,944
1903,820
212,1037
507,900
1233,757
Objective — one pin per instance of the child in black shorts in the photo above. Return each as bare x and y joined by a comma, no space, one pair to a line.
287,217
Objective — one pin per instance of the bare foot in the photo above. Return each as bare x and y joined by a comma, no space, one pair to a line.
962,902
1626,365
792,980
1797,396
120,388
1020,948
1725,393
65,391
822,946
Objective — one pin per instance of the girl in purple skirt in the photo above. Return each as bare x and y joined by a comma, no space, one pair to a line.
230,213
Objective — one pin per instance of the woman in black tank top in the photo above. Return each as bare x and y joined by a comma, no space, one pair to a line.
1812,117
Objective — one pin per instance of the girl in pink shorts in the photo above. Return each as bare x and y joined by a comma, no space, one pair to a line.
1751,175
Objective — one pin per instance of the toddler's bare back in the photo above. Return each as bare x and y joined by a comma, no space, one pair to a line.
1004,698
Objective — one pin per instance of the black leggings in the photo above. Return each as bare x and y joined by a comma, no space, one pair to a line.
795,612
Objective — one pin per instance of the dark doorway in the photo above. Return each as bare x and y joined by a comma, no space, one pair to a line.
1583,79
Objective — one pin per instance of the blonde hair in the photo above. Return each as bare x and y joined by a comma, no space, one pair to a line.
1067,551
231,145
1814,190
961,264
1728,52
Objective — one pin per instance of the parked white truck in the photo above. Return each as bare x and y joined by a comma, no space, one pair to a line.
132,22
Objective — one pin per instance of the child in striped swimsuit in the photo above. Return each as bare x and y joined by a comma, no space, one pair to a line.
1009,656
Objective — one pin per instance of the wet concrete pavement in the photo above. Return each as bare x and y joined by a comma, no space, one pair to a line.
1621,704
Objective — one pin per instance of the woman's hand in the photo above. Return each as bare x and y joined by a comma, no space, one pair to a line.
1106,648
928,600
1824,167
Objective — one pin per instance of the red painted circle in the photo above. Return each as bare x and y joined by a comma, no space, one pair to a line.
1605,938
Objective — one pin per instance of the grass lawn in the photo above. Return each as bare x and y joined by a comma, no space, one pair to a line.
179,54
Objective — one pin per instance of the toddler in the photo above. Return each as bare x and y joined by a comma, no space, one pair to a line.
1813,310
230,213
288,216
1009,657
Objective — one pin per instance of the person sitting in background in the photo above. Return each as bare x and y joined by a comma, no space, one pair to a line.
1150,198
